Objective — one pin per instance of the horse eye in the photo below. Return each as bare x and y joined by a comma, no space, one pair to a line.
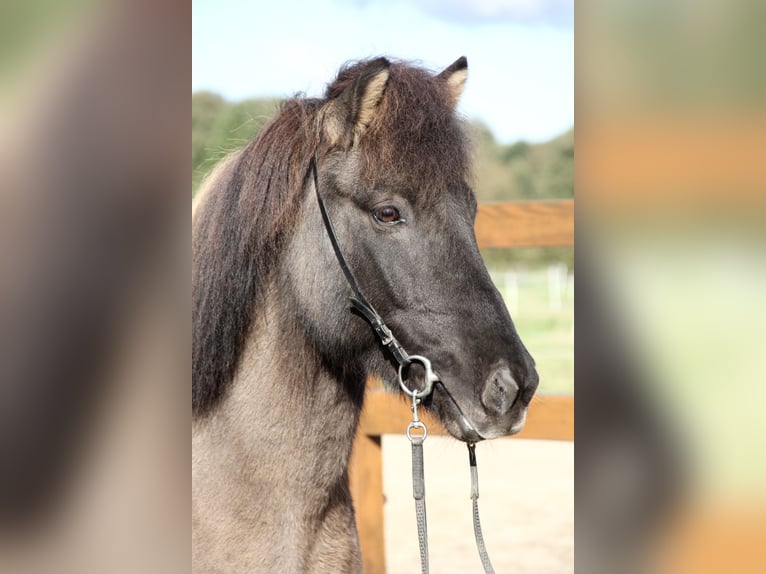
388,215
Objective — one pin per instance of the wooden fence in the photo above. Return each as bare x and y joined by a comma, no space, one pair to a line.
518,224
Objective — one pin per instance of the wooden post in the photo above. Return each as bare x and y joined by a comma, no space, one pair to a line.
366,479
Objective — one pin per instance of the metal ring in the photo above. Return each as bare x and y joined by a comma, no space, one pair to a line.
416,439
430,377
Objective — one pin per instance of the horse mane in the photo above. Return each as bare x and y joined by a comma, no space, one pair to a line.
251,203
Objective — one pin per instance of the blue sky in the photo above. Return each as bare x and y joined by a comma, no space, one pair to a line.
520,52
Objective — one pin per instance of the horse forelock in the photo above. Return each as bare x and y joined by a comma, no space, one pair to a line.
250,206
416,137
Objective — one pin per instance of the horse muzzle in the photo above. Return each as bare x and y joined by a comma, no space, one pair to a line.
500,411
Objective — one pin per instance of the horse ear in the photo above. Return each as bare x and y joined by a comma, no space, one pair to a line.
454,76
353,110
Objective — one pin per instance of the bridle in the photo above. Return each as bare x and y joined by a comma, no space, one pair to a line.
416,429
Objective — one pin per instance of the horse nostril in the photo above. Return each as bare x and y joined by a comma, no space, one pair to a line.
500,391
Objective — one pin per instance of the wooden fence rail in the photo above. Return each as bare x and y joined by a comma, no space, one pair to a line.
517,224
526,224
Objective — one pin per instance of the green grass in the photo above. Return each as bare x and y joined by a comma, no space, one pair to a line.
547,331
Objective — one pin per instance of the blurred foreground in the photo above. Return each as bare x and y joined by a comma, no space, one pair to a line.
670,179
94,292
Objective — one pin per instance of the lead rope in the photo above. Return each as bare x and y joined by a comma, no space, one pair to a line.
419,488
419,483
476,521
417,438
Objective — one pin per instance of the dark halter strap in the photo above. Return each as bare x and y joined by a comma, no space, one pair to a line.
358,300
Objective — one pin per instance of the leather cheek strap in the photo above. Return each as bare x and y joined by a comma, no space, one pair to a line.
358,300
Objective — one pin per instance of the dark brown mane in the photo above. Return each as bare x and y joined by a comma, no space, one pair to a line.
236,239
414,141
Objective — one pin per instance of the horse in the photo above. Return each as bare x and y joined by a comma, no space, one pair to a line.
279,360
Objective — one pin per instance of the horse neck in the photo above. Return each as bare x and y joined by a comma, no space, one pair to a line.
278,446
286,399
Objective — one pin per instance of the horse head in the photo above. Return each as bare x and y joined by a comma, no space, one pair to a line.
393,168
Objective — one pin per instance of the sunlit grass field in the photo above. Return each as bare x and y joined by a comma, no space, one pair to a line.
541,302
